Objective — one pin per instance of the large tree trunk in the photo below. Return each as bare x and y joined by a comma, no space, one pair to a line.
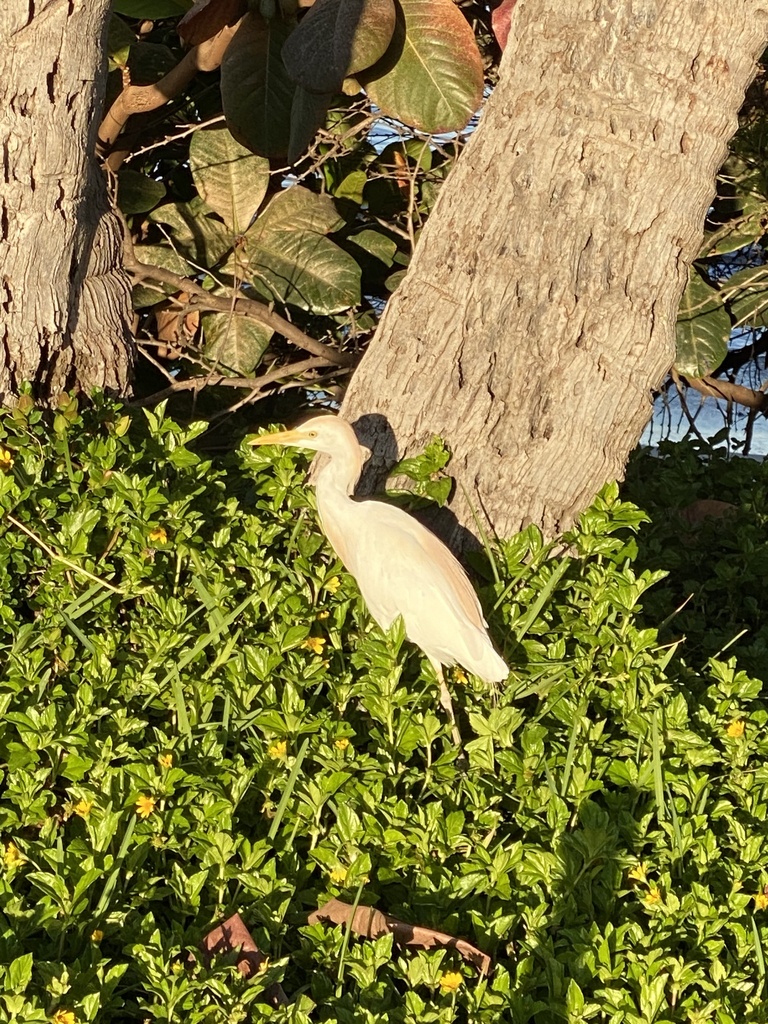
538,312
64,301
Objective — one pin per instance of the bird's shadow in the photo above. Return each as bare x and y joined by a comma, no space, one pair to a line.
375,432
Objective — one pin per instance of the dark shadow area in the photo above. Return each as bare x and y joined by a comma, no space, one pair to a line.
375,433
708,517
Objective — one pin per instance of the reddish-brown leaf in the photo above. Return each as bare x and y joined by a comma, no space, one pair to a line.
207,17
233,935
372,923
336,39
500,19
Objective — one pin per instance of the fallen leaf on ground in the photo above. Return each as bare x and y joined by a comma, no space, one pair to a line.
706,508
233,935
372,923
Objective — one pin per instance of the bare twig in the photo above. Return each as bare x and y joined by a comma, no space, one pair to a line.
61,558
189,129
255,384
238,304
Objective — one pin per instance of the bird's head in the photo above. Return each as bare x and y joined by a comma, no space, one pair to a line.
328,434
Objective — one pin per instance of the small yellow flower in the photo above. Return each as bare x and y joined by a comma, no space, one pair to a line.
338,875
761,901
64,1017
12,856
460,676
736,728
315,644
322,614
157,535
653,896
278,749
333,584
145,805
341,743
97,935
450,981
638,873
6,459
83,808
264,965
165,760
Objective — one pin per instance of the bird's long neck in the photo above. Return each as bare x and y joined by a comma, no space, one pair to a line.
334,486
340,473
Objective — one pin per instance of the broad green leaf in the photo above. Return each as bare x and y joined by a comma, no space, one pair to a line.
136,192
703,329
152,9
197,234
228,177
431,77
299,209
743,230
351,187
338,38
256,90
308,112
19,974
746,296
119,42
377,243
286,256
235,342
159,256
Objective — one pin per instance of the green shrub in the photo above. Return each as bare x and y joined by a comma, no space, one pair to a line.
198,718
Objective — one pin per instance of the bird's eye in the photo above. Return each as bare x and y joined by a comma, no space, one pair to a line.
311,433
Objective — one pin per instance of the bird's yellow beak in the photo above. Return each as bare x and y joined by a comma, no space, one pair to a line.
281,437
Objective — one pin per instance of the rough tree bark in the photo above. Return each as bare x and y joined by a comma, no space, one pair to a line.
64,299
539,309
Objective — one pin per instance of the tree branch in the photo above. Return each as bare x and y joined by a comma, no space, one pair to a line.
712,388
255,384
140,99
238,304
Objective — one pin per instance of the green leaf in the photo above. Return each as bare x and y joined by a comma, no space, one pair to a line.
256,91
746,296
376,243
703,328
228,177
159,256
19,973
286,255
235,342
308,112
136,192
337,38
119,42
197,233
432,74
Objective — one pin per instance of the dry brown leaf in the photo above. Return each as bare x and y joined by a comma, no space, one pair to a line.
706,508
233,935
372,923
175,328
501,17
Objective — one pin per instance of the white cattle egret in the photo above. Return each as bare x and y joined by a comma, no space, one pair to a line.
401,567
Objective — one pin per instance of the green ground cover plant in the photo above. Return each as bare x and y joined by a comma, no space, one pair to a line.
198,718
